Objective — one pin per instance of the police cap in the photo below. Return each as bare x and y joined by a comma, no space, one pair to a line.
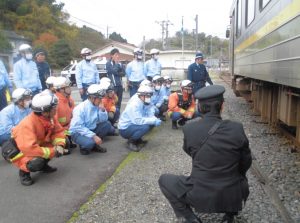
198,55
210,93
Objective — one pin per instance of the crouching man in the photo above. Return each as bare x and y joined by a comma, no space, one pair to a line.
182,104
220,159
39,137
90,122
138,118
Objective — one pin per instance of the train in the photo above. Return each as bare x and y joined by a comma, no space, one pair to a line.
264,57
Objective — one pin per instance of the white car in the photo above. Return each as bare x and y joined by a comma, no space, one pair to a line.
69,71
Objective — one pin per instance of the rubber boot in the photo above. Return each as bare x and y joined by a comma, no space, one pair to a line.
132,145
99,149
174,125
25,178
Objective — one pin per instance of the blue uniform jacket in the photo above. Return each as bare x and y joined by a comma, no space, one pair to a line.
86,116
115,72
26,75
11,116
4,80
158,97
86,73
198,73
136,113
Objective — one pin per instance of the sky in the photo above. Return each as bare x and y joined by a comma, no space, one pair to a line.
135,19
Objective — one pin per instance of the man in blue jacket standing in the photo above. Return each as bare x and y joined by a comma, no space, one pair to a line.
86,73
115,73
198,74
43,67
153,66
26,74
90,122
5,84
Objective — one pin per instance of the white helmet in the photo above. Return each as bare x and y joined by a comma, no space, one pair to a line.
146,82
96,90
105,80
154,51
25,47
85,51
157,79
20,93
168,78
50,80
43,102
137,51
145,91
61,82
186,84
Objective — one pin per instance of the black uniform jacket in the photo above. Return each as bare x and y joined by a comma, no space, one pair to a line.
218,179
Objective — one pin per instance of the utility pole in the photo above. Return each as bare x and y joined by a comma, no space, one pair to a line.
196,20
107,35
168,22
144,48
182,43
162,24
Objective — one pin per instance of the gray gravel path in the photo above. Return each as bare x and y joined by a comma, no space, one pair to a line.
133,195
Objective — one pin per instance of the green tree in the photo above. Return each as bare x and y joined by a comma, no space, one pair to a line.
5,45
117,37
60,54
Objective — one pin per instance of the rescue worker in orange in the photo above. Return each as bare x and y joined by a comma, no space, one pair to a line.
65,106
39,137
109,102
182,104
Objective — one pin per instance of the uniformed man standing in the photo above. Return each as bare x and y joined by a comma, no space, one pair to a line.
198,74
221,158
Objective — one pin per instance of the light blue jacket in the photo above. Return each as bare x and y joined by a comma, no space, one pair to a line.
11,116
86,116
87,73
158,97
26,75
136,113
152,68
166,92
4,80
135,71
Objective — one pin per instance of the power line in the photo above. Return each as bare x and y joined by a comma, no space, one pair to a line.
86,22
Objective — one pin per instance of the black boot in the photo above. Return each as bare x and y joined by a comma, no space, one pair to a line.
48,169
132,145
181,121
99,149
174,125
228,218
25,178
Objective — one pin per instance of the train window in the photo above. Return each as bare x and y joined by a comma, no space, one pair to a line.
250,11
263,3
238,18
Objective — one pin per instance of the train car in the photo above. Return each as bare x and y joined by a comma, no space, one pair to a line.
265,58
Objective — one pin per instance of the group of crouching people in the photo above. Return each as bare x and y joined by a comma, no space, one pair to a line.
35,129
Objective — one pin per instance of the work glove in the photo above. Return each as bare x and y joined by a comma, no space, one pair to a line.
157,122
59,151
188,115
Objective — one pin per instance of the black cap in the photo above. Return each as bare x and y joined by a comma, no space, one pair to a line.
210,93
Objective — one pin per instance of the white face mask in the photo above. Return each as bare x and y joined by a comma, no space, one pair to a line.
89,57
27,104
28,56
155,57
139,57
168,85
147,101
157,88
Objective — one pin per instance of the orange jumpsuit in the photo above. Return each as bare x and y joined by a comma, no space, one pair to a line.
64,110
174,105
110,103
36,137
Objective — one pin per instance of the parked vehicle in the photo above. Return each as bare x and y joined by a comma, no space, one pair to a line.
101,66
69,71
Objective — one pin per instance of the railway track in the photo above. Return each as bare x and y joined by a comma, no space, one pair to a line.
262,178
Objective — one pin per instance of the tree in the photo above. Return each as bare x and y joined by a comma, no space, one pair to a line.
60,54
117,37
5,45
